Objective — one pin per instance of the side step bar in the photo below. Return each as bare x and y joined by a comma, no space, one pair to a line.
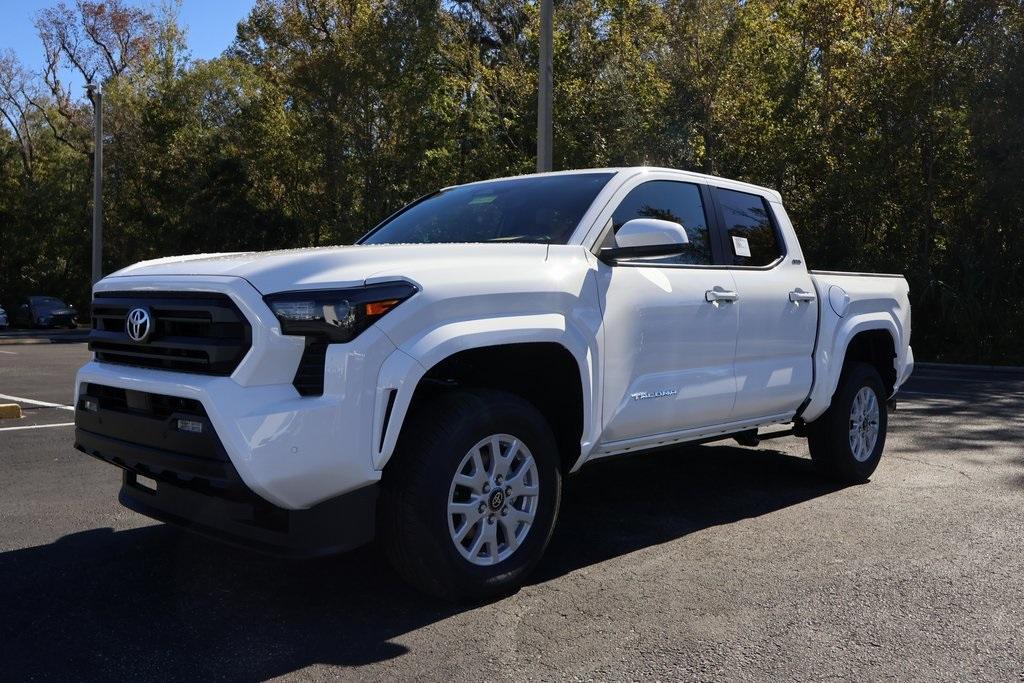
752,438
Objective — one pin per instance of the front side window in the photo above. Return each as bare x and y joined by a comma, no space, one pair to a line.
543,209
675,201
750,237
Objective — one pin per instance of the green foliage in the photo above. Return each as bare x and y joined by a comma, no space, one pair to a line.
893,129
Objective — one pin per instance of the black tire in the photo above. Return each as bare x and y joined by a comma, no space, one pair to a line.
829,436
413,515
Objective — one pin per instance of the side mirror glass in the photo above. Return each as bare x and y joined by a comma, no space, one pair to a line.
647,237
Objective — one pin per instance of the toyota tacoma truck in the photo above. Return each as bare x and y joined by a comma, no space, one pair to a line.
431,385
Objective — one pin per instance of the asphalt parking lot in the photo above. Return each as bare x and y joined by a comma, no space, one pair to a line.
717,562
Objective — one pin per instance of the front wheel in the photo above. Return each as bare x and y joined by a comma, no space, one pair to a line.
470,499
846,442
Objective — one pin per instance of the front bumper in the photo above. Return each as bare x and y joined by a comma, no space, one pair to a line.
330,527
292,451
59,320
195,485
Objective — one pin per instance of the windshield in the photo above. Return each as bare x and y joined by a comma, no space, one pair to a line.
46,303
539,209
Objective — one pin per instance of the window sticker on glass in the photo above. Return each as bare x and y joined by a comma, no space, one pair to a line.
741,246
484,199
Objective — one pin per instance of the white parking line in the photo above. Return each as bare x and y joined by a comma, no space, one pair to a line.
33,402
9,353
14,429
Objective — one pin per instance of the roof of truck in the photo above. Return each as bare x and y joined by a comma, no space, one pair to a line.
630,170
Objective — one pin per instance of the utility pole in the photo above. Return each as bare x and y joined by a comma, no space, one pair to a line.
545,137
96,96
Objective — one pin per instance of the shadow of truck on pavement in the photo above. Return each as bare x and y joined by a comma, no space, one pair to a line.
157,603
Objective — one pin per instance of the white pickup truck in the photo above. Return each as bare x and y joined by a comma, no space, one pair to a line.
432,385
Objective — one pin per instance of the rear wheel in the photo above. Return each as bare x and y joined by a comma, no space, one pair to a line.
471,496
846,442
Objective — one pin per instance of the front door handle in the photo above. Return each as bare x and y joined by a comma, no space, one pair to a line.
798,295
719,294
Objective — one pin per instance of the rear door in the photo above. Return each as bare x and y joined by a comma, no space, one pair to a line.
777,310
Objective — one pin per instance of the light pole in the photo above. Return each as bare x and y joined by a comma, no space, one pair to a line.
96,97
545,137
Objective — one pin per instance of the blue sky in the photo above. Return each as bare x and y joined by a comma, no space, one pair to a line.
210,26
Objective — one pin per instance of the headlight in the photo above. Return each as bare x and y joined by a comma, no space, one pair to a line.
337,315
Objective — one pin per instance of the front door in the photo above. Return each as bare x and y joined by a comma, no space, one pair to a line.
669,351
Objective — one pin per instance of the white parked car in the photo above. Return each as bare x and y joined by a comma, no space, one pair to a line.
433,384
3,319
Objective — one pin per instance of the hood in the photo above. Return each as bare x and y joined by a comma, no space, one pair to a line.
349,266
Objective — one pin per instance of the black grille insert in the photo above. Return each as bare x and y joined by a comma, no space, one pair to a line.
309,377
144,403
198,332
139,431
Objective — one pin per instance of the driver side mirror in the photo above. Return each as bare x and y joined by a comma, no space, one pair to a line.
646,237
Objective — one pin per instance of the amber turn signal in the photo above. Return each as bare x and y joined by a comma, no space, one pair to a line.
381,307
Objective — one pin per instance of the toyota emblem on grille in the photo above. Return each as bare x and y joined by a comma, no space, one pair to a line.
138,325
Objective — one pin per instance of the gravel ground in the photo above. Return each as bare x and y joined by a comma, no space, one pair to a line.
715,562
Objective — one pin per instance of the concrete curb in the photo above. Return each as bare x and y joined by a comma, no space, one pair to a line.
10,411
16,341
1008,369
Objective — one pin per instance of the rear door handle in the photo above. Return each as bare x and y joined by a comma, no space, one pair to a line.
719,294
798,295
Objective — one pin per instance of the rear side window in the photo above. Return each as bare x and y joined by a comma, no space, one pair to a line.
749,234
669,200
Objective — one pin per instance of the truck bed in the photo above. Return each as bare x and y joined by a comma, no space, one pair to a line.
853,274
851,303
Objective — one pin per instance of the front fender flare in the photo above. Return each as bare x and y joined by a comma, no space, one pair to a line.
405,367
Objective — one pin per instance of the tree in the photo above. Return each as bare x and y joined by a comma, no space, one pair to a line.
891,128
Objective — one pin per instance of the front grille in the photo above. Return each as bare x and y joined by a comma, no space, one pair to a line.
198,332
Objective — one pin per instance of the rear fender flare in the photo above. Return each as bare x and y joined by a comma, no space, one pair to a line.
829,359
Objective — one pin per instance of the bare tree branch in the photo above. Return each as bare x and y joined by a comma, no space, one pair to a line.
14,107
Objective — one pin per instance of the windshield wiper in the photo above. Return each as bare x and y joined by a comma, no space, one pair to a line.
528,239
